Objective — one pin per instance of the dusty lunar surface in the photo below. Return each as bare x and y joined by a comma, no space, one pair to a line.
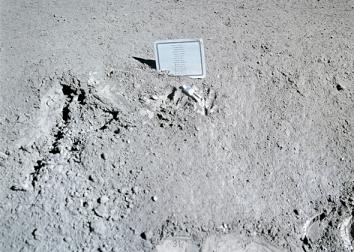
99,152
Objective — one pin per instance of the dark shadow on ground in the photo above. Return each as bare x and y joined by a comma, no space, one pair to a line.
149,62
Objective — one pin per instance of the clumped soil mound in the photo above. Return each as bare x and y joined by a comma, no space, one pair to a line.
101,153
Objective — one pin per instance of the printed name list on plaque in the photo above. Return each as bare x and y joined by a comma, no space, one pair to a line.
181,57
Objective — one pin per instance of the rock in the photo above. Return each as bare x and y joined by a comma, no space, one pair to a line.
92,178
102,249
87,204
339,87
67,239
154,97
135,189
147,235
103,199
98,227
21,188
123,190
154,198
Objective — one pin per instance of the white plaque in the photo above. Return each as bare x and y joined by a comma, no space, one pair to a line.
181,57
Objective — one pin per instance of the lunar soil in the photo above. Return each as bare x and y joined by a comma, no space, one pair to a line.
100,152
